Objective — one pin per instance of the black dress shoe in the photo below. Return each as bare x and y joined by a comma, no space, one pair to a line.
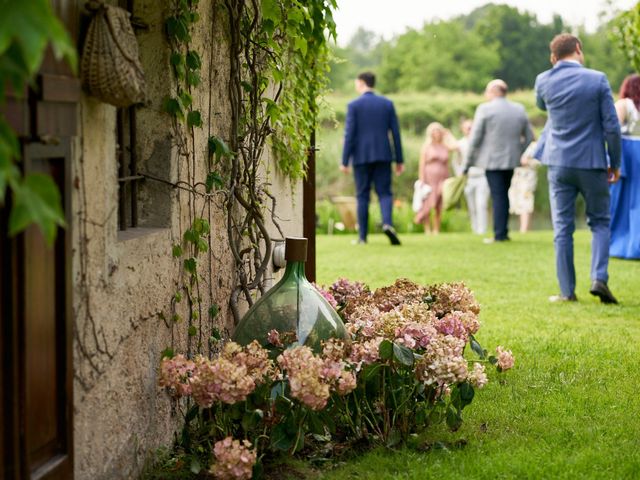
391,233
600,289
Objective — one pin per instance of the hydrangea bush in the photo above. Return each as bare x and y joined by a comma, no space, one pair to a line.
405,368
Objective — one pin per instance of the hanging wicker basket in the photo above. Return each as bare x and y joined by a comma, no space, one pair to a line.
110,68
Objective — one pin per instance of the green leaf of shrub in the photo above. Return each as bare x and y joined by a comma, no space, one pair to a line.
385,350
454,419
476,347
403,354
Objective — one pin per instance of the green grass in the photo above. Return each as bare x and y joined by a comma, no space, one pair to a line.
570,407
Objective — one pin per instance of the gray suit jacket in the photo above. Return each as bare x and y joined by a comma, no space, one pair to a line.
500,133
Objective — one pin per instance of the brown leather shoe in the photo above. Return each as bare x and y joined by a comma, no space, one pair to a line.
600,289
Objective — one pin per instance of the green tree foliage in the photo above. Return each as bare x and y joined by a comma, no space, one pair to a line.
519,39
442,54
625,29
492,41
363,52
26,29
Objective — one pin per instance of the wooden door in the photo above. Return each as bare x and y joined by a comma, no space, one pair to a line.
36,376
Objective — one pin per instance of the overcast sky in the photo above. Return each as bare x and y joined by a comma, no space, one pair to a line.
390,17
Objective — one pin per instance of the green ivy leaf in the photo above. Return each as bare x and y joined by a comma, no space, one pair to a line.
193,331
193,79
177,297
176,251
219,148
202,246
37,200
201,226
271,10
194,119
213,180
173,106
191,236
213,313
193,60
167,353
190,265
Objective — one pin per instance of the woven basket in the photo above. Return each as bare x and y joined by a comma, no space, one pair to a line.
110,68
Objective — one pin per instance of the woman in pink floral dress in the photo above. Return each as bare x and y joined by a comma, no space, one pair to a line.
434,170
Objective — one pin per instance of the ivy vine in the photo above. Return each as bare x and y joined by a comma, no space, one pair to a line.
278,59
626,31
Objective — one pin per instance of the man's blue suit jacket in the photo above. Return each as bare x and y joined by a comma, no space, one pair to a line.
583,126
370,117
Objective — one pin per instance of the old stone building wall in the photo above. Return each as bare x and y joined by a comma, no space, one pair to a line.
124,281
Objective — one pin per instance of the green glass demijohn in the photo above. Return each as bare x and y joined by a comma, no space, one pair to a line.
292,305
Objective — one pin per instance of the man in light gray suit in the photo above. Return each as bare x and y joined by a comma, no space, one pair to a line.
501,132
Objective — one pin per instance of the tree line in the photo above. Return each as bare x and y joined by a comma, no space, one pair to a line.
464,53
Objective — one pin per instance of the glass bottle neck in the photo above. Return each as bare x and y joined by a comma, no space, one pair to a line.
295,270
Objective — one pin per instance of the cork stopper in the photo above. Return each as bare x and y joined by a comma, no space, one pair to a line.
295,249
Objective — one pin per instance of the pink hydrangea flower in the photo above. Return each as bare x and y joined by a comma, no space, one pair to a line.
327,295
365,352
273,337
234,460
505,358
220,380
442,362
477,377
175,374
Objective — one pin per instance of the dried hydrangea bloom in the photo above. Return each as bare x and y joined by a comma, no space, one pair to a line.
448,297
328,296
452,324
175,374
345,291
505,358
220,380
273,337
365,352
477,377
442,362
304,371
234,460
415,335
402,292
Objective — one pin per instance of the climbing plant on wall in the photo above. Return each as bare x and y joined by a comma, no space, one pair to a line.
278,60
26,29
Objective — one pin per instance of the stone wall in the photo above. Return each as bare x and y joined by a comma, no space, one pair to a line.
124,281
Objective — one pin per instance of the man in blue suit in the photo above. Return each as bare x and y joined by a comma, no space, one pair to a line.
582,129
370,119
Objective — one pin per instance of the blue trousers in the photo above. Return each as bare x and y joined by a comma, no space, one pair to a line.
564,185
378,174
499,183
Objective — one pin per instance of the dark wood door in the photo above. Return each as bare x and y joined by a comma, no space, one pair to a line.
36,339
36,378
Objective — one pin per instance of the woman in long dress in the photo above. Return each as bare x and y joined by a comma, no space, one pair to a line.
625,194
434,170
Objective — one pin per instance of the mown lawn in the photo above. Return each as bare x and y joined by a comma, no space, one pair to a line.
570,408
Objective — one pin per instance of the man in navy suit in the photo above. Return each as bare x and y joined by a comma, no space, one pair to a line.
370,119
582,131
